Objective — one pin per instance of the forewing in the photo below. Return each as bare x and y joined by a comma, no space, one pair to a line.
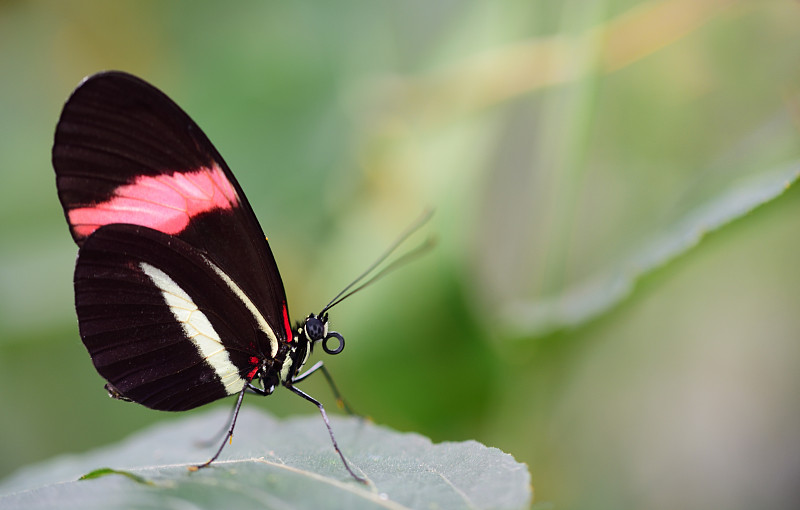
161,322
126,153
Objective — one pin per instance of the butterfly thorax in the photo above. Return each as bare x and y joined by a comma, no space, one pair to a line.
306,333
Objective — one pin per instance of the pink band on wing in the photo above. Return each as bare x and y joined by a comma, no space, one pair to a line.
163,202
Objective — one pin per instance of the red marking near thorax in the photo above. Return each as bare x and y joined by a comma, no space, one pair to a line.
252,373
164,202
286,324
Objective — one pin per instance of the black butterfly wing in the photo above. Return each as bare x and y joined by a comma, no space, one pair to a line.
126,153
161,321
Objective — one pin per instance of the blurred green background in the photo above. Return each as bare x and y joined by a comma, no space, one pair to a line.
566,147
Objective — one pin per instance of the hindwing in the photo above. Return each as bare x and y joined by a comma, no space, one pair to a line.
161,321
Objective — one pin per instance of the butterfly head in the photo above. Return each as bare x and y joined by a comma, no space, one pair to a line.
315,329
312,330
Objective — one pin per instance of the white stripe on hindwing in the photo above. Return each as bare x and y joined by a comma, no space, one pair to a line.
197,328
262,323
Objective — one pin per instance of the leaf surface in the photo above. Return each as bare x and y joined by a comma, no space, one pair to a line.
272,463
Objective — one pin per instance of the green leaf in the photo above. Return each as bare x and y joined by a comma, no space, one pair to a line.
596,295
97,473
275,463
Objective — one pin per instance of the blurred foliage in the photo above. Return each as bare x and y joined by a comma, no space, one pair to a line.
556,140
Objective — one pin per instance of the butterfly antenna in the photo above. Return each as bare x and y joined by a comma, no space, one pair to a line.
402,260
395,264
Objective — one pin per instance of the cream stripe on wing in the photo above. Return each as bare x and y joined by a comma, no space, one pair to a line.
262,323
197,328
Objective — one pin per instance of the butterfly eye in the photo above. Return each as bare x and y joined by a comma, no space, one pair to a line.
315,329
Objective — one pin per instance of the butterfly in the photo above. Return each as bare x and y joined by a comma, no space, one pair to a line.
178,295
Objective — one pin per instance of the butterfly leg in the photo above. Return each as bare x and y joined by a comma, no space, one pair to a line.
228,434
340,402
330,430
113,392
205,443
